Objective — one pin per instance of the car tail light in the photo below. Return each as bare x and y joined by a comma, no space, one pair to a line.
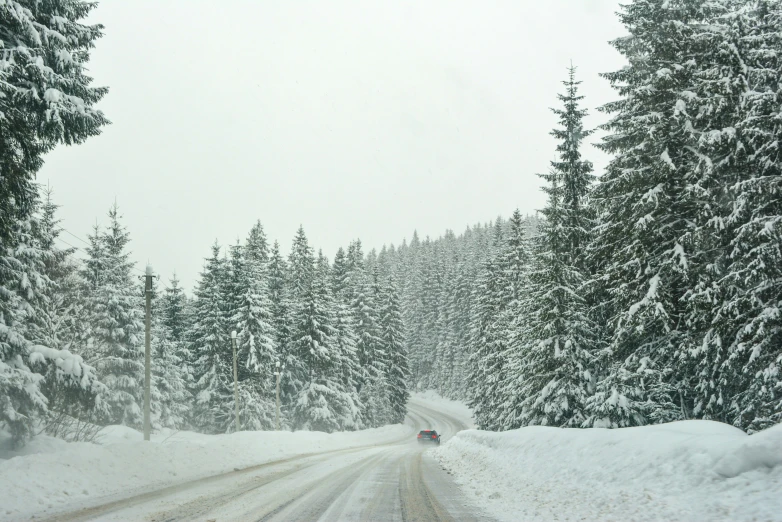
434,436
419,435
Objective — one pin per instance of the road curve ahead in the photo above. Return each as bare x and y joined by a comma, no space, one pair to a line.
389,482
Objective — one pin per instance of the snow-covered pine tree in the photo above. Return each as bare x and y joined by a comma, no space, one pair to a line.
174,360
463,310
745,380
209,343
340,277
93,276
397,372
233,285
425,356
551,378
59,307
117,333
371,359
170,397
716,103
511,285
346,338
255,335
647,214
445,326
301,271
257,246
57,323
413,309
173,314
483,382
26,366
279,295
45,96
322,403
301,267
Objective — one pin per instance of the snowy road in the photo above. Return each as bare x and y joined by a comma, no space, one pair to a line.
397,481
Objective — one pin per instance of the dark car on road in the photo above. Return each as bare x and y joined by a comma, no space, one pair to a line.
428,436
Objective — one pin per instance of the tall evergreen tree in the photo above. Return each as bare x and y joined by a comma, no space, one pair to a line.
46,97
484,380
740,360
647,214
321,404
255,338
210,344
550,372
173,313
392,338
117,327
170,397
301,267
29,371
279,295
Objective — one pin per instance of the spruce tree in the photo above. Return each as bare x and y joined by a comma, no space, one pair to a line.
551,370
46,97
281,314
484,380
29,371
740,359
59,308
117,327
255,335
170,397
257,246
301,272
346,338
301,267
58,322
392,338
321,403
209,343
173,312
647,214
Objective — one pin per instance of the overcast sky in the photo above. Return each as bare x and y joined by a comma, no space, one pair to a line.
356,118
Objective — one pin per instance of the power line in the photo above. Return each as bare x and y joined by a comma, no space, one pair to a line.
74,235
142,272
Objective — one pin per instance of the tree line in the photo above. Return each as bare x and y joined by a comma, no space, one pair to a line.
335,329
653,293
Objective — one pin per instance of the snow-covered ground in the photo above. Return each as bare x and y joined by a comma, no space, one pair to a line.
50,475
690,470
693,470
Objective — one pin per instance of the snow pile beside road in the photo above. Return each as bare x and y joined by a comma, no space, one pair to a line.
690,470
434,401
74,474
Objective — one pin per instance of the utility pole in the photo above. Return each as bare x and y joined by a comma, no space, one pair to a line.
236,380
277,414
147,349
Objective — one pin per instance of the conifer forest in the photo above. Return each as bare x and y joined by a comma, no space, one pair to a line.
648,292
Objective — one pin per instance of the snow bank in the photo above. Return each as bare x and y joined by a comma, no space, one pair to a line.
433,400
690,470
62,475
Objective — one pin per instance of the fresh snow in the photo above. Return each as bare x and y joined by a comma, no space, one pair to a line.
686,470
50,476
434,401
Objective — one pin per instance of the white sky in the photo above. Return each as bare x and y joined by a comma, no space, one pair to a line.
356,118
